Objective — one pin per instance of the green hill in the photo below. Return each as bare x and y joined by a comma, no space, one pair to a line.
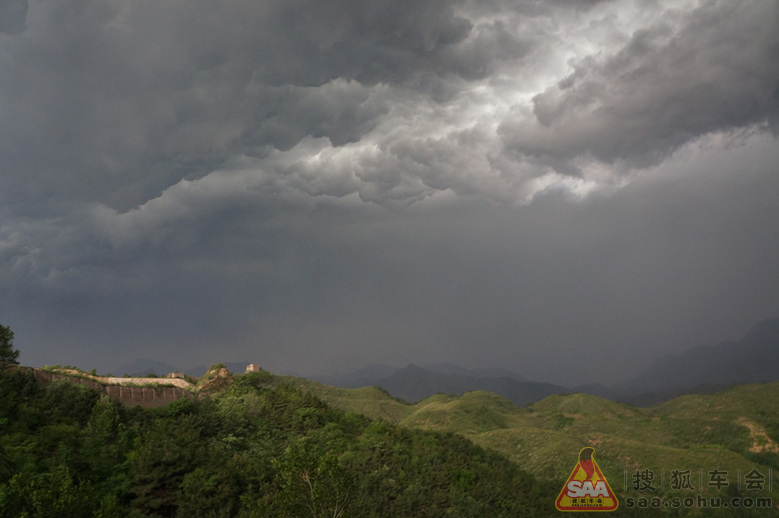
264,445
736,430
254,446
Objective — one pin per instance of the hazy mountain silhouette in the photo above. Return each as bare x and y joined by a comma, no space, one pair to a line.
701,369
365,377
755,359
414,383
491,372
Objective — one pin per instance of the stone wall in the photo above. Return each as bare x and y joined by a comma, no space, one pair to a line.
146,396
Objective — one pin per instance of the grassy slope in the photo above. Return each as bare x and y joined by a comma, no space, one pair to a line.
691,432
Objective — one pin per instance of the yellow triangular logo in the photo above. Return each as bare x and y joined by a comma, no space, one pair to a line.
586,489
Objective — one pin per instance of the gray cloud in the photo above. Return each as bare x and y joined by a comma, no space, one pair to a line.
128,99
13,16
115,103
714,68
323,184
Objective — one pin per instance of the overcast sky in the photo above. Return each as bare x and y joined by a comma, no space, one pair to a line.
566,188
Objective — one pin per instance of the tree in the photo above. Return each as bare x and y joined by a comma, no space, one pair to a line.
313,483
8,355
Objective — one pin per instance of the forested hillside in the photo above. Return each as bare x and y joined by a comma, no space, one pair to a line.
257,445
257,448
737,428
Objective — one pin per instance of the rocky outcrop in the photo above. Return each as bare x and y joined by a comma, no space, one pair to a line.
215,379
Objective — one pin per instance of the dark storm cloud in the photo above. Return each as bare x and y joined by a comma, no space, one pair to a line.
714,68
559,290
320,182
132,97
13,14
113,103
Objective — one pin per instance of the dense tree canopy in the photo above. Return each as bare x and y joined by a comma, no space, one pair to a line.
258,448
8,355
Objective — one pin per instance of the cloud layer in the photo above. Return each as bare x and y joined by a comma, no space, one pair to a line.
300,171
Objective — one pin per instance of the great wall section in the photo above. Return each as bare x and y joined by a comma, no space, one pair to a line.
144,392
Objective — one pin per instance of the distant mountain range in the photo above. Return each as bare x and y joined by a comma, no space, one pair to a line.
755,359
702,369
414,383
